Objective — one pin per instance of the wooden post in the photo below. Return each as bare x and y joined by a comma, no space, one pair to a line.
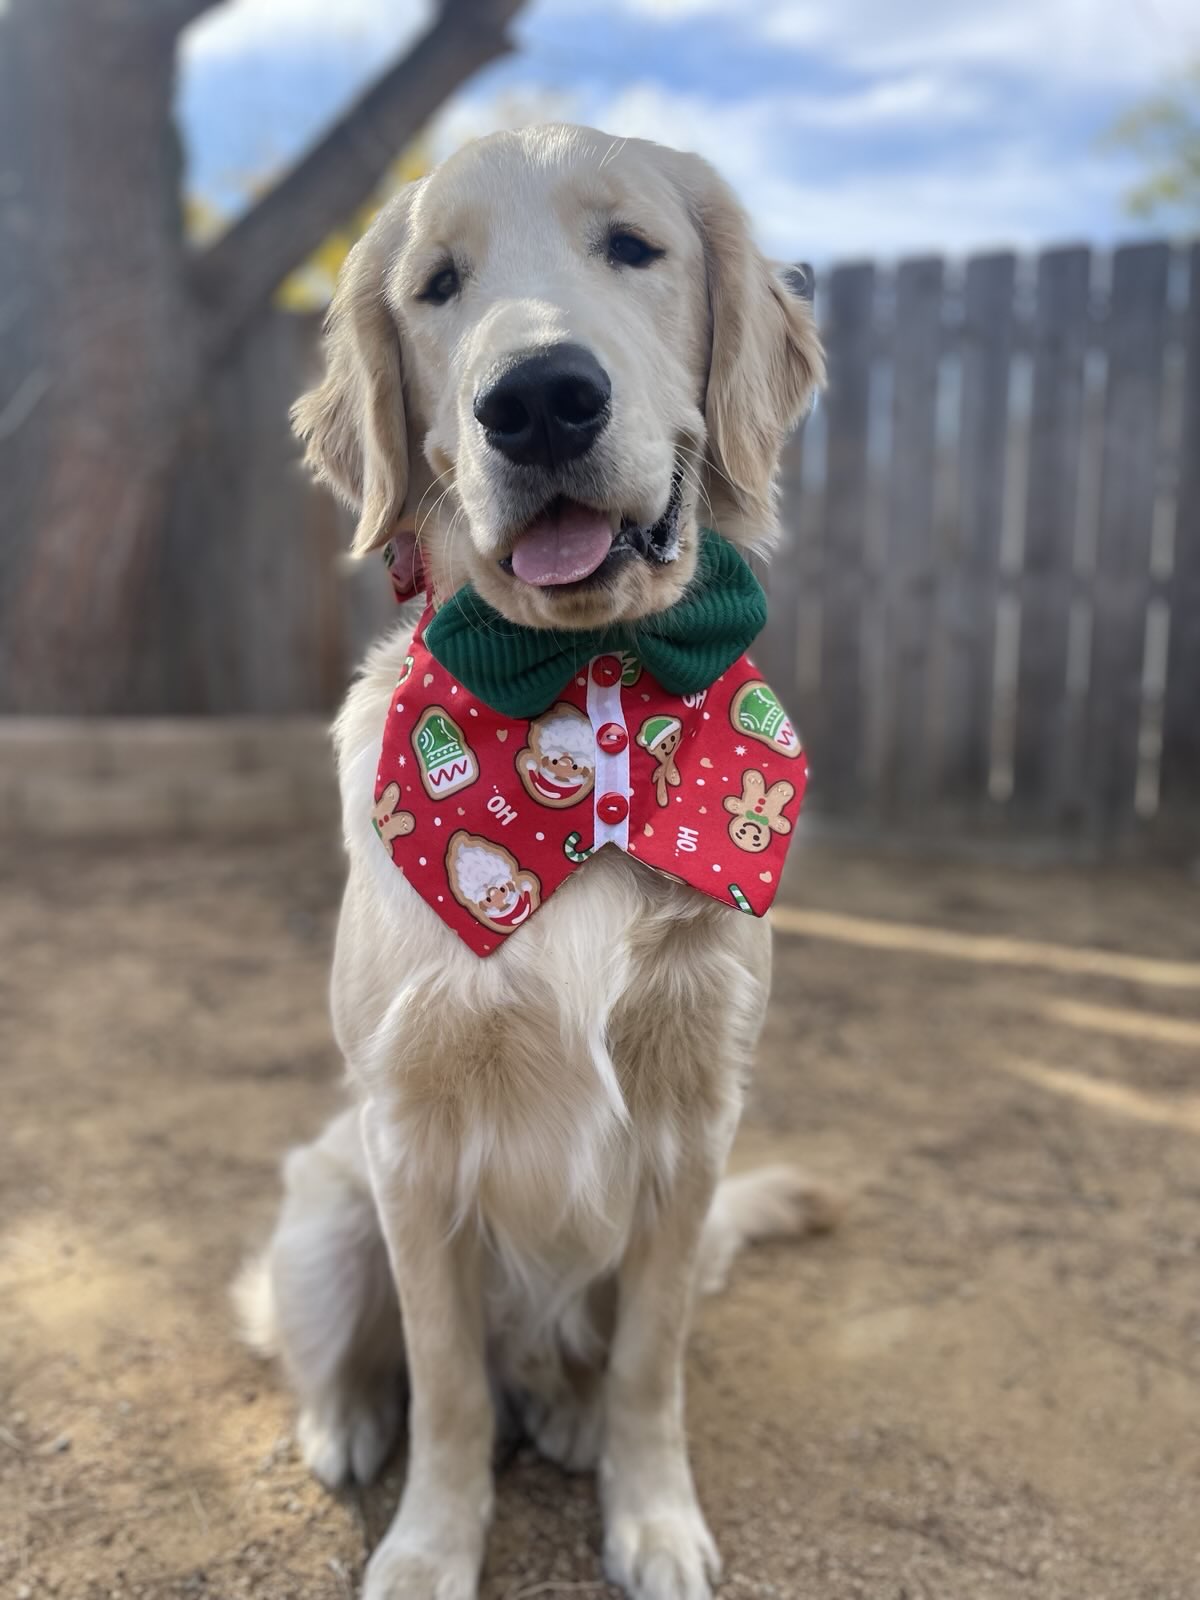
1136,334
837,746
907,778
1181,711
974,588
1060,337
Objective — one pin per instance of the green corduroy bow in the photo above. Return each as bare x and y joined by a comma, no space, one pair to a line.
519,671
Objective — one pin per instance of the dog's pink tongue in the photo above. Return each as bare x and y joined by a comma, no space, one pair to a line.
563,546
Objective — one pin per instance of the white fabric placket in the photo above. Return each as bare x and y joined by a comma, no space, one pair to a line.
612,767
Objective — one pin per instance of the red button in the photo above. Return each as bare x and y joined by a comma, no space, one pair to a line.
612,738
606,670
612,808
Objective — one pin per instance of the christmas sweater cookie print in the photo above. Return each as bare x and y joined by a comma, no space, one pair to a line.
487,814
447,762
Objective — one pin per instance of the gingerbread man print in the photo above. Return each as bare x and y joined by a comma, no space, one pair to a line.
389,823
758,812
661,737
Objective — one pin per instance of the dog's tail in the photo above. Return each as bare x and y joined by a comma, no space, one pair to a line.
320,1294
253,1297
768,1203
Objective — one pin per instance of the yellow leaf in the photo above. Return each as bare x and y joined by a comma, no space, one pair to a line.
311,285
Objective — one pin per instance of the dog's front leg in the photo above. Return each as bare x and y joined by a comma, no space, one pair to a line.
434,1547
656,1545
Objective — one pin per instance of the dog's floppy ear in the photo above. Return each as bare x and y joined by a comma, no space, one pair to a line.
765,362
353,422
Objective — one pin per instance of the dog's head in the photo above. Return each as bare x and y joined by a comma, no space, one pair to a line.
556,357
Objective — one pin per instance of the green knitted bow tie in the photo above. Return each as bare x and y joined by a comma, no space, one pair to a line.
518,671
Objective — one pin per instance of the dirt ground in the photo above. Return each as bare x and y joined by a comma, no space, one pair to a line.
986,1385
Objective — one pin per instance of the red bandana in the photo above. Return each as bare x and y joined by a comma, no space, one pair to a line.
486,815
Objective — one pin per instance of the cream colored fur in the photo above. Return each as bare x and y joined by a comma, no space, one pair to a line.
529,1182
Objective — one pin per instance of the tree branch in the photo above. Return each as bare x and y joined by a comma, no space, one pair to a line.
179,14
235,276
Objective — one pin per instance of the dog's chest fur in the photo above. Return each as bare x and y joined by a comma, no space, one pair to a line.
547,1091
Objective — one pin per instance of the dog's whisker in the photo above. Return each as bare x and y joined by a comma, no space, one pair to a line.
431,513
441,478
692,477
707,463
457,528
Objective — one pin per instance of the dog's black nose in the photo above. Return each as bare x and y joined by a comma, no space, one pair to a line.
545,408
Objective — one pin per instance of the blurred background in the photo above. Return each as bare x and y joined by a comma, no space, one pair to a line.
985,609
985,616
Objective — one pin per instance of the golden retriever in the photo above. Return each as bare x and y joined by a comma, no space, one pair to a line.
529,1190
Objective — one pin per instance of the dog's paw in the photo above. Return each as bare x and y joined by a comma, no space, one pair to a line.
398,1572
351,1444
567,1430
664,1554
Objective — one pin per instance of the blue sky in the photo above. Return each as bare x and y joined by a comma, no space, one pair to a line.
849,127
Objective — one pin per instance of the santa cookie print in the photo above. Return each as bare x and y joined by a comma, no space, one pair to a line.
558,764
486,880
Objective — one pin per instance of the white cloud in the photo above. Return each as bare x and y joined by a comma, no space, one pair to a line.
731,133
926,69
1009,205
466,117
674,10
1012,197
1102,42
919,97
646,110
239,27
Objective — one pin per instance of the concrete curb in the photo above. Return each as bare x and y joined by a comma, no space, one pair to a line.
156,777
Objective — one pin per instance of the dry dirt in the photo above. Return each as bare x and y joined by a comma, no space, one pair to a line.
987,1384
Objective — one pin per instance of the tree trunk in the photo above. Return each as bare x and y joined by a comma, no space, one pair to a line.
98,343
109,330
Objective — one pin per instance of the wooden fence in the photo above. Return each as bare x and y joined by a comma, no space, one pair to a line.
986,610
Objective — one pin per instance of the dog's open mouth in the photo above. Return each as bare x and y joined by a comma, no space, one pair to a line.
573,545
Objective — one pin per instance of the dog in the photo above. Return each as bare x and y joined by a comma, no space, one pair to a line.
553,360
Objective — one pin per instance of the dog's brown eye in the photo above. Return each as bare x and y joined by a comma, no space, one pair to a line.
627,249
443,286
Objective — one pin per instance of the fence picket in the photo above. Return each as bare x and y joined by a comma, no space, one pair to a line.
837,744
986,341
1181,711
906,778
1060,338
1121,585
